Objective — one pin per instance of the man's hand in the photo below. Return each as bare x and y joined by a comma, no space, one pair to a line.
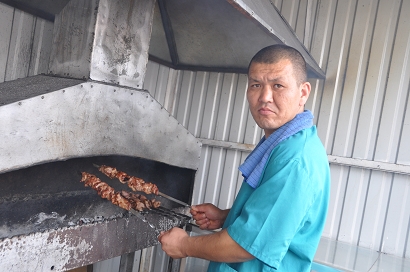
172,242
218,246
208,216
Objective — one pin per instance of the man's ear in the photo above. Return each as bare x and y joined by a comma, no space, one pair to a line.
304,93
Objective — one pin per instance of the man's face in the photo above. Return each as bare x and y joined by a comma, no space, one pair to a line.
274,95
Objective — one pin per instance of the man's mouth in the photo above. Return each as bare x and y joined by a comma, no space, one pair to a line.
265,111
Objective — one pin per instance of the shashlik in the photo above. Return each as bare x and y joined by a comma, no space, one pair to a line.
136,184
123,199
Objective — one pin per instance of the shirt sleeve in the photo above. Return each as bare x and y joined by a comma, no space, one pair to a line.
274,212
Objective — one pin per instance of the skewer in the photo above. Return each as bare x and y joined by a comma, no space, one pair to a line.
142,217
161,194
174,200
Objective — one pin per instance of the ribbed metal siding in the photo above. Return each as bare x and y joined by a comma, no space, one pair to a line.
25,44
360,109
365,46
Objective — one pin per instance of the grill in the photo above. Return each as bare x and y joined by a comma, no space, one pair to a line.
91,109
47,212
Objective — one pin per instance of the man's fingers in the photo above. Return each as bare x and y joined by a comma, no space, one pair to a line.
199,216
160,236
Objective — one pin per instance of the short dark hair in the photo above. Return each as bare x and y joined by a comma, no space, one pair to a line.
274,53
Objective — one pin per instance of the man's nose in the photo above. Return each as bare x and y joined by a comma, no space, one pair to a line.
265,94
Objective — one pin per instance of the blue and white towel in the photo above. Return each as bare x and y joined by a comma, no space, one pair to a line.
254,164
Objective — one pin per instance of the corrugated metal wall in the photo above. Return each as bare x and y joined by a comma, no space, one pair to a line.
360,110
362,113
25,44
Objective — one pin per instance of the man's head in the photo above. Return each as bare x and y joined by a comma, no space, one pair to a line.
277,86
274,53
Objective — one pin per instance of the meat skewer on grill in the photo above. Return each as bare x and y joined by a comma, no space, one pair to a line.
140,202
127,200
136,184
123,199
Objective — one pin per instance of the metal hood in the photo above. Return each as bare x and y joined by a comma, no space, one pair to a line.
211,35
63,115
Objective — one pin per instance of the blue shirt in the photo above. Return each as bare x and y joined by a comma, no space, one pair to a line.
280,222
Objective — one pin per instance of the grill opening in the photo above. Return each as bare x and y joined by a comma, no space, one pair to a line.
50,195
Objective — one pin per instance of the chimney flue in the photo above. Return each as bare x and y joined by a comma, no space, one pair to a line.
103,40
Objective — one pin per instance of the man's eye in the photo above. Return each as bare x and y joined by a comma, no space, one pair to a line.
278,86
256,85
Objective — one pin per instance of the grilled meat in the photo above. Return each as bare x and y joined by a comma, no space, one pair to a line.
136,184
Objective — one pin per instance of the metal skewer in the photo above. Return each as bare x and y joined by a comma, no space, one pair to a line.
174,199
163,195
140,216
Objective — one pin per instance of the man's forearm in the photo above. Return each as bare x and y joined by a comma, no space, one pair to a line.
218,247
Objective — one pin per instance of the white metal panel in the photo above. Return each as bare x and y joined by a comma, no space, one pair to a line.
301,25
289,10
201,177
43,35
20,45
160,260
355,79
323,33
375,210
224,115
151,77
6,22
395,236
337,195
137,260
146,259
212,102
240,110
395,98
385,124
215,171
208,126
198,102
376,77
160,90
323,14
321,50
404,147
230,177
371,121
110,265
311,10
25,44
183,105
353,204
162,83
335,73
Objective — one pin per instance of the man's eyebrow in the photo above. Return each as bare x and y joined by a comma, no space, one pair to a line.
270,80
252,79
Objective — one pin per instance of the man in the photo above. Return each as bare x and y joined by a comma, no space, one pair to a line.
278,216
